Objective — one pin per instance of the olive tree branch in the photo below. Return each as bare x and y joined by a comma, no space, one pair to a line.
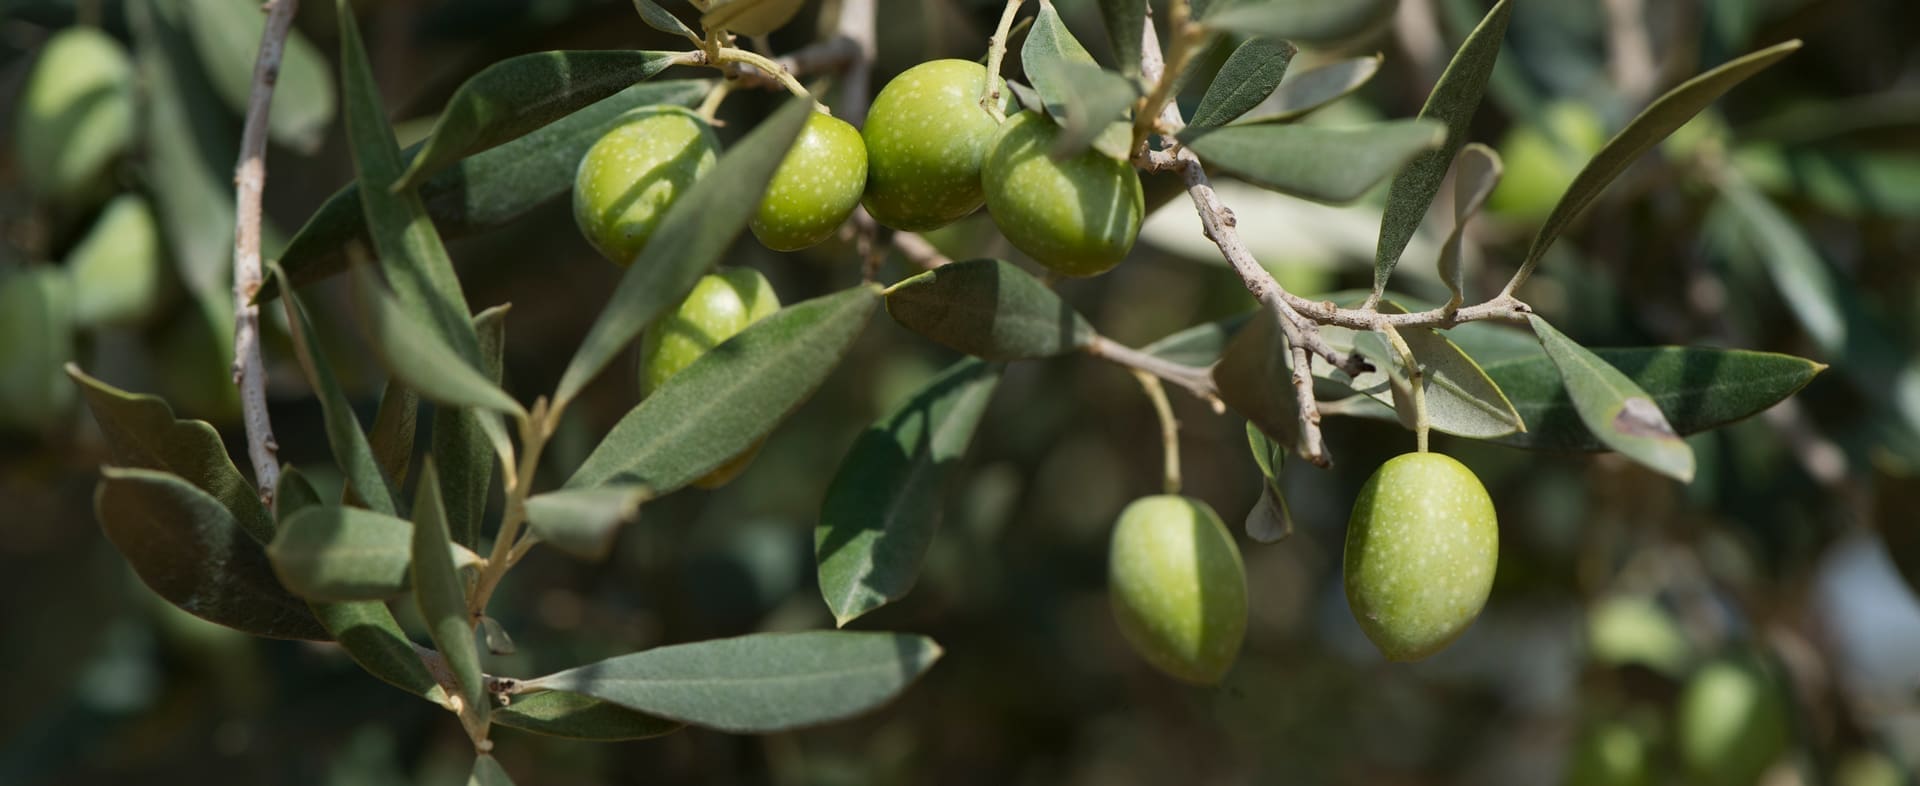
250,182
1194,379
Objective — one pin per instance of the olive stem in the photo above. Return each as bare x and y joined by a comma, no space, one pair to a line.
1415,379
1184,40
715,97
534,431
1196,380
1169,428
996,53
725,55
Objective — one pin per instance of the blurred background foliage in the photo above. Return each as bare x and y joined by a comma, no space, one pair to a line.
1637,627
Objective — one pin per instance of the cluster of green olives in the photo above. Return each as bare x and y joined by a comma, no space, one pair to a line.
1420,554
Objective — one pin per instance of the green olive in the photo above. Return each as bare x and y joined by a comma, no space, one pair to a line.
1732,722
926,135
36,342
635,172
1178,588
119,270
1421,549
719,307
1611,753
1078,217
817,186
75,115
1541,160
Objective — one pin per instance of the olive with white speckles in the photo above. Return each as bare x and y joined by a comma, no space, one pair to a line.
926,134
817,186
1421,549
629,178
1079,217
1178,588
719,307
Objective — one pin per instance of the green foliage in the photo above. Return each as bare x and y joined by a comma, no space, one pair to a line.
1310,90
991,309
1615,409
440,592
76,115
1320,163
1249,76
1089,103
336,554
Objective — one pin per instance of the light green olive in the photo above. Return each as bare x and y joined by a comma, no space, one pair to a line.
635,172
1611,753
1732,723
817,186
926,135
75,115
719,307
1421,549
1178,588
118,271
1078,217
36,342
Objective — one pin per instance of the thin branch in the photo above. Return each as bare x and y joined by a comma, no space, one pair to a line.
918,251
1169,429
996,53
250,182
1195,380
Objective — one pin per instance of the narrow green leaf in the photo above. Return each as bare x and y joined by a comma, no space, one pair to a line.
1697,388
189,549
411,255
584,522
662,20
1615,409
495,635
1461,399
887,497
732,396
1798,272
1250,74
1255,378
227,35
1333,165
1476,172
989,308
142,432
294,494
1658,120
517,95
1270,521
189,145
1850,183
467,442
487,772
757,684
395,425
481,191
1318,21
1454,100
441,593
336,554
1126,22
1083,98
416,356
1310,90
351,450
1200,345
692,236
556,713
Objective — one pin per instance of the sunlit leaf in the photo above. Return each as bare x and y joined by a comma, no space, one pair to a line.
662,20
1320,163
1270,521
556,713
1126,22
1086,100
1306,91
1614,408
583,522
417,356
1476,172
440,592
1248,77
227,35
334,554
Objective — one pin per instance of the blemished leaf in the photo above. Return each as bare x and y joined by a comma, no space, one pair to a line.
336,554
1269,521
991,309
1255,377
1093,111
1200,345
411,256
227,35
1799,274
1300,20
662,20
488,772
1323,164
395,425
736,393
1454,100
351,450
1697,388
1476,171
760,683
557,713
187,547
481,191
1653,124
887,497
190,144
692,236
1126,22
583,522
1250,74
414,354
143,433
1614,408
514,96
440,592
466,442
1309,90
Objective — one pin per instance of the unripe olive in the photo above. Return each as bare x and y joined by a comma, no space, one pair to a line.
75,115
719,307
1732,723
817,186
926,135
118,272
1078,217
1178,588
1421,549
1541,160
1611,753
633,174
764,16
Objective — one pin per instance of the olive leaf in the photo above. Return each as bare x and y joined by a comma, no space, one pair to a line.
760,683
1270,521
556,713
1200,345
1614,408
352,452
1453,101
885,501
583,522
1319,163
337,554
1301,20
488,772
1088,102
1126,22
190,145
1305,91
467,442
989,308
519,94
1248,77
395,425
417,356
227,33
663,20
1476,171
440,592
1255,377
